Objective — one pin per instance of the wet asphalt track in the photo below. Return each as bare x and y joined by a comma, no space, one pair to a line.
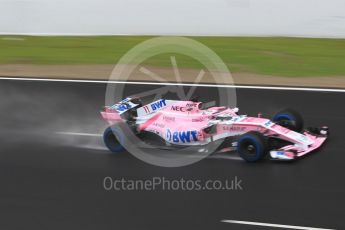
51,181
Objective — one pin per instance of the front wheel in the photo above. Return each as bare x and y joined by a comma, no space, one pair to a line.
289,119
111,141
252,146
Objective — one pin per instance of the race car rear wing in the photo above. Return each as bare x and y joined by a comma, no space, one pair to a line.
112,114
123,106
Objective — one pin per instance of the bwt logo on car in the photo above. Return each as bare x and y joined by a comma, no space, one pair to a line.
182,136
154,106
159,104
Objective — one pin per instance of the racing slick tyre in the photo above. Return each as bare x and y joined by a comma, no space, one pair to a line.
252,146
112,142
289,119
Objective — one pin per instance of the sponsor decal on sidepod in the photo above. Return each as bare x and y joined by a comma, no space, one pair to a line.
181,136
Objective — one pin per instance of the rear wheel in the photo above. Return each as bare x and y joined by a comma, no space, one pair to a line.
252,146
112,141
289,119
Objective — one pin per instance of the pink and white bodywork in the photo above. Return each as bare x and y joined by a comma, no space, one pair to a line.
186,123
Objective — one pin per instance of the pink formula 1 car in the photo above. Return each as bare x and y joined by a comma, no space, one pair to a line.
186,123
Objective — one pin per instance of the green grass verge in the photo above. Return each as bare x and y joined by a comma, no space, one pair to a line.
270,56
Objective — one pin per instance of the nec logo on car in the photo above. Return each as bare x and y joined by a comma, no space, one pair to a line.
178,108
181,136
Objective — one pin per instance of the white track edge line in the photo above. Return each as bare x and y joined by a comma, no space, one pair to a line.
273,225
80,134
179,84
